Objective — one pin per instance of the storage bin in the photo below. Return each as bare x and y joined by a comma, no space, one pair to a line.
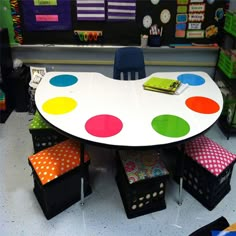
227,65
59,189
207,171
154,40
43,135
2,101
141,179
230,23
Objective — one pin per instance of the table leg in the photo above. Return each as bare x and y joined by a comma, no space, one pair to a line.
82,191
82,174
180,191
181,173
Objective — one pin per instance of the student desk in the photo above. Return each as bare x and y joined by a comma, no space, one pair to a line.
100,110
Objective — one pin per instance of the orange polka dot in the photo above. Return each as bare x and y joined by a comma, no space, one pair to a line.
202,105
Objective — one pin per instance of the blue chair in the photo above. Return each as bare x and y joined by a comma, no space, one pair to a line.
129,61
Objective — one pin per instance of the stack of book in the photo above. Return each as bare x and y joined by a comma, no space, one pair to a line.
163,85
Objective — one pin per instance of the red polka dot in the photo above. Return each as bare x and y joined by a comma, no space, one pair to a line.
103,125
202,105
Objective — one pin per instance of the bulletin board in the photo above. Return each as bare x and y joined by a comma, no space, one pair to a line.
65,21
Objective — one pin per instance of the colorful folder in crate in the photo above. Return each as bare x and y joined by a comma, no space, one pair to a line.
229,231
2,101
163,85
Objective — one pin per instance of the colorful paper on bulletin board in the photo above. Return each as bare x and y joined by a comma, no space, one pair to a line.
45,2
121,10
90,10
47,17
182,2
181,26
182,9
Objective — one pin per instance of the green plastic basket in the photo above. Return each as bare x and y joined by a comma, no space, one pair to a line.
230,23
227,65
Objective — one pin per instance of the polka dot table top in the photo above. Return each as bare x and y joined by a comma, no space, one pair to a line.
38,122
99,109
209,154
141,165
55,161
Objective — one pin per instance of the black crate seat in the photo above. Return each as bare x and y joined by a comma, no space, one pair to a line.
208,169
141,179
57,173
43,135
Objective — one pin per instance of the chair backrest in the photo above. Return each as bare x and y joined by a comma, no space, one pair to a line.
129,61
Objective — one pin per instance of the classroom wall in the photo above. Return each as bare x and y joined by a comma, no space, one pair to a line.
74,58
178,29
100,59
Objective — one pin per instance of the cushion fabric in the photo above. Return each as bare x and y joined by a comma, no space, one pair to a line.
209,154
55,161
38,122
142,165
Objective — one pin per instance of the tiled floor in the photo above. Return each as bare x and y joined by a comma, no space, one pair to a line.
103,212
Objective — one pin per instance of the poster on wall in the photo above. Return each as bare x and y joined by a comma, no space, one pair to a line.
90,10
193,21
121,10
46,15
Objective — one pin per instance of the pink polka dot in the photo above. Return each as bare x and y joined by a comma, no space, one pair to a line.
103,125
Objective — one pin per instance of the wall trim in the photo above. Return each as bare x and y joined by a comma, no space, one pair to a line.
111,62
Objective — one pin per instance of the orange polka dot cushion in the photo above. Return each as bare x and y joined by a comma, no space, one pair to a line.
55,161
209,154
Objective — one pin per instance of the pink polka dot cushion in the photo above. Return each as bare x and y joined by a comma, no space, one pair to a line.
55,161
209,154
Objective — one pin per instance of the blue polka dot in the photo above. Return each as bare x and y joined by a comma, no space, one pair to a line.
191,79
63,80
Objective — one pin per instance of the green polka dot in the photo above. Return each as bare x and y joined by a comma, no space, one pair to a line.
170,126
38,122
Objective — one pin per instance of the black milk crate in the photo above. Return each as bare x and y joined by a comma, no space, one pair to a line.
59,194
142,197
45,137
207,188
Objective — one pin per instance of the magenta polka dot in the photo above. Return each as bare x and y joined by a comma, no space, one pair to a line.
103,126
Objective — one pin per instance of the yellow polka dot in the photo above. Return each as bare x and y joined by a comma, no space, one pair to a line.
59,105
